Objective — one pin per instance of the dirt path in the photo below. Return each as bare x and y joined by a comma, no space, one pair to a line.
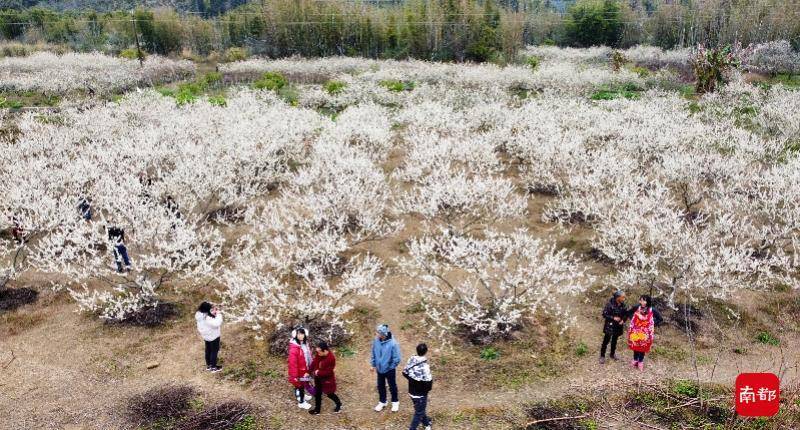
71,371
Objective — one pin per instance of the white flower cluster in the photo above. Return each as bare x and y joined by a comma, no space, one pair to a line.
169,177
773,57
364,79
285,209
487,286
50,73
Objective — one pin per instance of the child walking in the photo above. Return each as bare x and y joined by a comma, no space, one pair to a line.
420,383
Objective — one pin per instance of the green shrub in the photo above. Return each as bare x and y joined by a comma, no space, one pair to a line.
10,104
490,353
581,349
604,95
247,423
628,90
211,78
768,339
533,62
397,86
617,61
631,86
289,94
218,101
188,93
236,54
643,72
334,87
132,54
270,81
686,388
712,67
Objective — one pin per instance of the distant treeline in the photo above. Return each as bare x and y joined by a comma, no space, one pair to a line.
458,30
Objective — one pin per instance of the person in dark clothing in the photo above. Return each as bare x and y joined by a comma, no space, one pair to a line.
420,383
85,208
172,207
173,210
614,315
117,237
322,368
17,230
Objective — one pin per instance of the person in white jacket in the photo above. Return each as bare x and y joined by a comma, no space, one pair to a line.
209,321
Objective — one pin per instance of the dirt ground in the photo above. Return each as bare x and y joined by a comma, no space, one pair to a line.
65,370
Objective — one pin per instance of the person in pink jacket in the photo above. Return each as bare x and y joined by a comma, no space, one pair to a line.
298,364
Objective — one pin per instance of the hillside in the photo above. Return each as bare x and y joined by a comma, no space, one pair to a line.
210,7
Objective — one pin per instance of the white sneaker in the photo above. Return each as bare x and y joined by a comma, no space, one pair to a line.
309,398
380,407
304,405
427,427
395,406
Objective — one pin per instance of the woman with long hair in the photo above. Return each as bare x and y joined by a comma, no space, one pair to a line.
298,366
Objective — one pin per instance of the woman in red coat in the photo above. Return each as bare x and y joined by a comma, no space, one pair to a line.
299,364
641,332
322,367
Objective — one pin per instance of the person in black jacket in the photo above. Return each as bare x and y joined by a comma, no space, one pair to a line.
116,236
614,315
420,383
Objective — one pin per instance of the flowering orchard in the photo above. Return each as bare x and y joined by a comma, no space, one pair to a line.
87,73
478,172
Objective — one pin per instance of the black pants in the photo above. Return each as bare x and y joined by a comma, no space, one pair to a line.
420,414
638,356
318,397
300,395
121,256
389,377
613,339
212,350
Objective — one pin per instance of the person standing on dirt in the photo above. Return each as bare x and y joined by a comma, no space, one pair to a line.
641,331
299,366
385,359
323,368
117,237
420,383
614,314
209,322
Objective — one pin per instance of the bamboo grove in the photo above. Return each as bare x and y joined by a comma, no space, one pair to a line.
439,30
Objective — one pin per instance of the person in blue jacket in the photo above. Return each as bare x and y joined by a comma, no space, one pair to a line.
385,359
